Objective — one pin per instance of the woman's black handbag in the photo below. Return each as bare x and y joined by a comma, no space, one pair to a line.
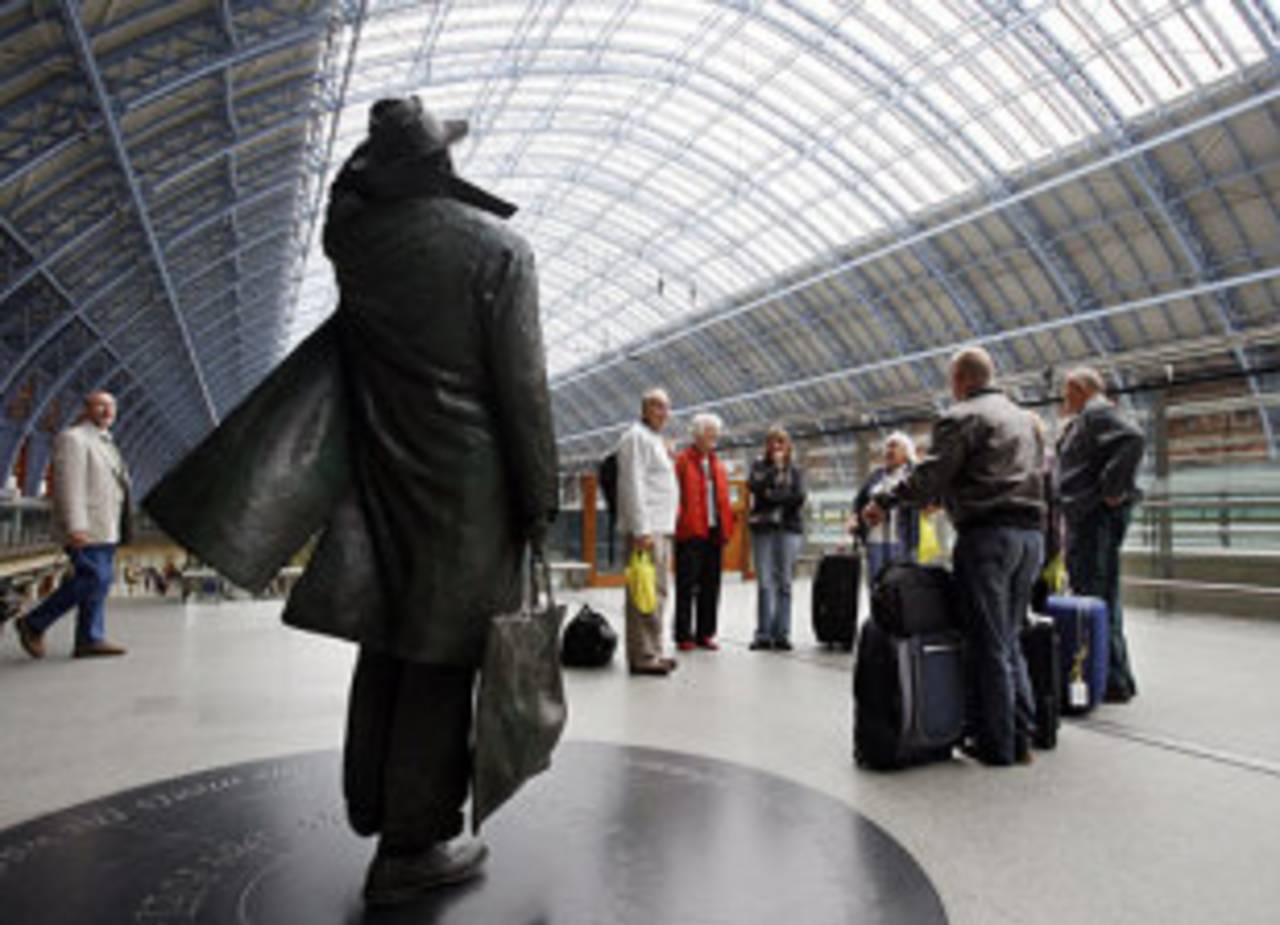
589,641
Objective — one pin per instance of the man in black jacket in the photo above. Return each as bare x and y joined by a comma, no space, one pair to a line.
985,462
1098,457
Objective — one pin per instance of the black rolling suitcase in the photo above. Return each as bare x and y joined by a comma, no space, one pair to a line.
908,697
908,682
1041,649
835,599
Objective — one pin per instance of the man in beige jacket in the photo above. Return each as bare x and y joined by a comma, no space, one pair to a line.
90,498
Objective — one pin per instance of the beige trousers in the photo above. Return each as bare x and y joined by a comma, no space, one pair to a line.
644,630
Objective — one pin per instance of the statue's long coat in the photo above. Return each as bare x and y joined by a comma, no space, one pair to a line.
414,427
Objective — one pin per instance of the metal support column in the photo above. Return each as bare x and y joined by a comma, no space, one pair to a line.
83,48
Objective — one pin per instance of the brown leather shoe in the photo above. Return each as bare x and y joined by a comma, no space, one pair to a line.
655,668
96,649
32,642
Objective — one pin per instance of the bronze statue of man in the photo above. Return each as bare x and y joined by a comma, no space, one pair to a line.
415,428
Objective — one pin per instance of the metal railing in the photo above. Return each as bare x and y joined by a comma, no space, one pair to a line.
1205,552
1197,521
26,527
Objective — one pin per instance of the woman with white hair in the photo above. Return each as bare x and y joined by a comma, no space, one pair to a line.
704,524
898,536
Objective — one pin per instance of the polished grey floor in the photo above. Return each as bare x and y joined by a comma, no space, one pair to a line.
1165,810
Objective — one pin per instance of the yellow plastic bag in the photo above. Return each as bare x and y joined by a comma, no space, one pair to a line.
928,548
1054,574
642,581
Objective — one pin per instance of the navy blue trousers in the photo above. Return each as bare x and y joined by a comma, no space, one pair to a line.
994,569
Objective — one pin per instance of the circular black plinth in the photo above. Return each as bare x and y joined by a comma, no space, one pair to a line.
611,834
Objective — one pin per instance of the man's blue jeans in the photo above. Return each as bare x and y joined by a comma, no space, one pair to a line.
86,589
994,570
775,560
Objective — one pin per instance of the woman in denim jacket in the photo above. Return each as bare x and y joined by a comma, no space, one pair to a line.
777,530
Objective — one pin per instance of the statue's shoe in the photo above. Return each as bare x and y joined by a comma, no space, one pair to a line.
398,878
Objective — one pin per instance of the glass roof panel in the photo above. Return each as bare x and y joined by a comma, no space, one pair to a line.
1232,35
878,22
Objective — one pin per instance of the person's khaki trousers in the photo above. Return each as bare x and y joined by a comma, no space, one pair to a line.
644,630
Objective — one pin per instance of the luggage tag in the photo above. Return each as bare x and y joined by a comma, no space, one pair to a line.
1077,690
1078,694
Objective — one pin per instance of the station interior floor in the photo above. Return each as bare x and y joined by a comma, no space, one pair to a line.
1164,810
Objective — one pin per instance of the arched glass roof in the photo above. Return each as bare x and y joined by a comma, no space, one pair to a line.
671,156
788,209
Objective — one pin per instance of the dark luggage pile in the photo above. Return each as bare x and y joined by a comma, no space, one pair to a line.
908,680
835,599
909,672
1066,649
589,641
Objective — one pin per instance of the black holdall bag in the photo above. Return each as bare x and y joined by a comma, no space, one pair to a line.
909,599
589,641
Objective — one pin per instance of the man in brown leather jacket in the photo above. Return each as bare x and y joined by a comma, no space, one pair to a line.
985,462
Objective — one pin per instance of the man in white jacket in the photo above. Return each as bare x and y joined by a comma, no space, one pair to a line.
90,496
648,498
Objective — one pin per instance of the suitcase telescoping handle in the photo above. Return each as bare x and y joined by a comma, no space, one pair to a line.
937,647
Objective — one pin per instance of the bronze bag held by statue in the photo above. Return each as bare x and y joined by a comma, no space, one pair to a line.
520,709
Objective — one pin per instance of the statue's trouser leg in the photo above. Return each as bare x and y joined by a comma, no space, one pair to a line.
407,765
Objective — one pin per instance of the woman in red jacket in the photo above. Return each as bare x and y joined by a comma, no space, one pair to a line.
703,526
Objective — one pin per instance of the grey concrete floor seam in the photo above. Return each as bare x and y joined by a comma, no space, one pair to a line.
1179,746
